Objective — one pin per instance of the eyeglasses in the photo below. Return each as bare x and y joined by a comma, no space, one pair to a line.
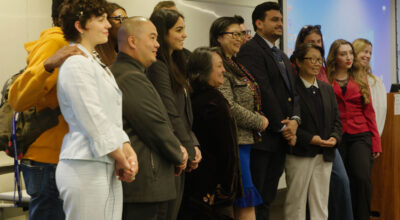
315,60
236,35
246,32
119,18
310,27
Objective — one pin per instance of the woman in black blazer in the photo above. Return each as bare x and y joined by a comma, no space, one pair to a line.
168,75
308,164
211,189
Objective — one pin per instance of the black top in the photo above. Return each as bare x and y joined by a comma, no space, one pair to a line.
323,121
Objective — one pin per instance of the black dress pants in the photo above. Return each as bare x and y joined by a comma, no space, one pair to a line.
356,151
266,169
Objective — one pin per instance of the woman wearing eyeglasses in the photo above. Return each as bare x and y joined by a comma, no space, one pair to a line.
108,51
312,34
340,207
360,142
168,76
243,95
308,164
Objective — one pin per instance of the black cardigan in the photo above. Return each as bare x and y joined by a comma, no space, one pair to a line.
215,129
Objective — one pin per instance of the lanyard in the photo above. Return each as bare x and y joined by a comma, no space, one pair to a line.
17,171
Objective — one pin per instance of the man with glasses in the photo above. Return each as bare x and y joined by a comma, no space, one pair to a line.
273,73
246,33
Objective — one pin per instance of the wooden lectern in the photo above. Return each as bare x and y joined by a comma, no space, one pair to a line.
385,174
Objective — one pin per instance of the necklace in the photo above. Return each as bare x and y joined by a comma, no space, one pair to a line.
342,82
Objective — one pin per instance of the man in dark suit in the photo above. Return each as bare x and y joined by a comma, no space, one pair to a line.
146,122
273,72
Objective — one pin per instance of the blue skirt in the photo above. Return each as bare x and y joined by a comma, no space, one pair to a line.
251,196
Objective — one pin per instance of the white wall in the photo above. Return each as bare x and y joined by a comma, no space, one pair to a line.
20,21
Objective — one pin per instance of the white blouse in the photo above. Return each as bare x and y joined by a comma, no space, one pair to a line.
379,101
91,104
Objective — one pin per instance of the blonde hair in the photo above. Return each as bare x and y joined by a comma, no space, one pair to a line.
355,71
359,45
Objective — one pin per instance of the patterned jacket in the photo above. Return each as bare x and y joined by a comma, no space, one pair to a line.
238,92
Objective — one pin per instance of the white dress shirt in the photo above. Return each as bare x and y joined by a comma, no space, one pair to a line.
379,101
91,104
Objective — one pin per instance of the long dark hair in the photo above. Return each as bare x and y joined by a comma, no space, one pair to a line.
307,30
164,20
301,36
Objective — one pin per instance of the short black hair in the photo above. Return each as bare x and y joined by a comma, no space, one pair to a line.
239,18
218,27
302,50
260,10
79,10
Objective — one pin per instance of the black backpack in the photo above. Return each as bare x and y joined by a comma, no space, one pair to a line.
29,124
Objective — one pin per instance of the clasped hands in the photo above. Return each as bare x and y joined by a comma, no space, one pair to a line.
182,166
128,167
186,165
316,140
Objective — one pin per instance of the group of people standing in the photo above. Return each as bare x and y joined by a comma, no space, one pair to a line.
201,135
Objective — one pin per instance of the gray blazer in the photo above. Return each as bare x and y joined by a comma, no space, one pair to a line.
241,100
178,105
149,129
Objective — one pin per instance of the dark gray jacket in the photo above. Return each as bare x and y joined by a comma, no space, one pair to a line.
178,105
147,124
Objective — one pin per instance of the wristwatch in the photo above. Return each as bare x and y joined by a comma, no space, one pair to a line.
297,118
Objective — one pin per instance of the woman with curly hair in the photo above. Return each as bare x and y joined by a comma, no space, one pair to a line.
96,149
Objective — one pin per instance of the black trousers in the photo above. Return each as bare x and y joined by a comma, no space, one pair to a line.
145,211
266,170
356,151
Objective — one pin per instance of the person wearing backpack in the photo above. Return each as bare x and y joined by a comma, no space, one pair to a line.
36,87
